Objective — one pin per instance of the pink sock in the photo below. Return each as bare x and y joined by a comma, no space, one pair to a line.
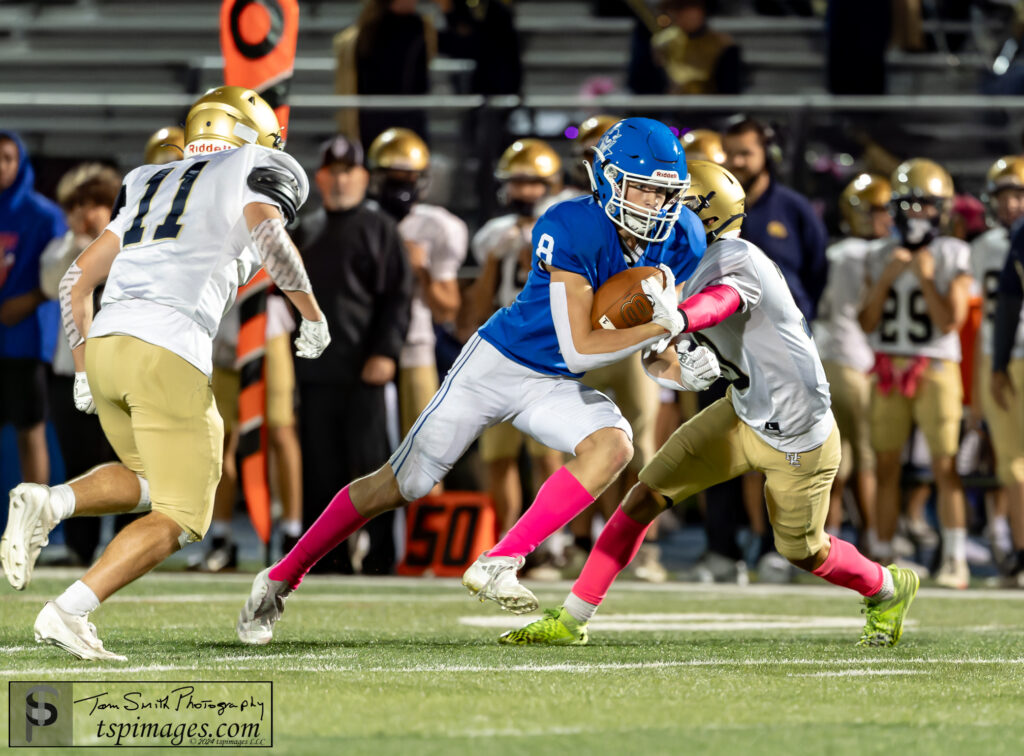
847,567
615,548
334,525
558,501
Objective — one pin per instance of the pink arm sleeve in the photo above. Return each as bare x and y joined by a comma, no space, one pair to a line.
710,307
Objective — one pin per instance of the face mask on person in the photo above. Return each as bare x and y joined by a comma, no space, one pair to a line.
397,197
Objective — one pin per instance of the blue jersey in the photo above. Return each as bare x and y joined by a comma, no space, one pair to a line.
578,237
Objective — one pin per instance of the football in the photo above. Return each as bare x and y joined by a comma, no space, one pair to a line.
620,301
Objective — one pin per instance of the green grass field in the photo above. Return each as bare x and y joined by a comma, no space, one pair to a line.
389,666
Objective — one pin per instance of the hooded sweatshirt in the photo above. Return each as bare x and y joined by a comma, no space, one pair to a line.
28,221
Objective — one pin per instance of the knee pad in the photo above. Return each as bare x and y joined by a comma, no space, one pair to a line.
414,483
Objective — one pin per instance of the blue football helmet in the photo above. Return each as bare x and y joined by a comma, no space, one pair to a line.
639,152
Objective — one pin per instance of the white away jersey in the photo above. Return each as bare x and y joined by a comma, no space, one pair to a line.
765,348
837,331
182,233
906,328
444,238
507,240
988,256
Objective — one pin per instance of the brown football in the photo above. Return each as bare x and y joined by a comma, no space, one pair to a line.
620,301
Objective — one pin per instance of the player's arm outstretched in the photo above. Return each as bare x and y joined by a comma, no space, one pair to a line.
283,263
584,347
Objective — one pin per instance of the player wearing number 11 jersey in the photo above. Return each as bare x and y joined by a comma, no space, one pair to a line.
522,367
172,258
918,289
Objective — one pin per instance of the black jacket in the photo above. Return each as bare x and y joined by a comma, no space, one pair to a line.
362,279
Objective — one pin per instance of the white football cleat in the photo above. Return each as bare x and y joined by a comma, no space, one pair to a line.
74,634
30,519
953,574
495,578
262,609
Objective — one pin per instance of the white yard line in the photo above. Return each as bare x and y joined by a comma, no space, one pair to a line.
561,586
239,598
662,622
861,673
575,667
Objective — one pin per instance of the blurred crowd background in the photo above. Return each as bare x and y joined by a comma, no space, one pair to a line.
461,121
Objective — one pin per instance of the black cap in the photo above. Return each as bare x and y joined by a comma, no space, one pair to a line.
340,149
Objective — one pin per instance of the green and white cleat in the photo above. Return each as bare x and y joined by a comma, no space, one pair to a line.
884,625
556,628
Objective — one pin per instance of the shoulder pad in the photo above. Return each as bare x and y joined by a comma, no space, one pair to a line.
279,186
118,203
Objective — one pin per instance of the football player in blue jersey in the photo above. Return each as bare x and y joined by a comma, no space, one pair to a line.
522,366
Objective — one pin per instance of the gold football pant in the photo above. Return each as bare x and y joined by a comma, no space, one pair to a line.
851,404
504,440
936,408
416,387
716,446
157,411
279,368
1005,427
637,397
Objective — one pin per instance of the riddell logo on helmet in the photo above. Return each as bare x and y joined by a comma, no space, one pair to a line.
205,147
665,174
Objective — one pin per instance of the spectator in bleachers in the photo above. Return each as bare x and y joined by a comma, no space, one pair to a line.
680,54
857,36
359,270
386,52
843,346
436,243
779,220
989,254
917,297
28,320
484,31
86,194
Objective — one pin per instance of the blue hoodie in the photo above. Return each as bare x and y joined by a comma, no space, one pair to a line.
28,221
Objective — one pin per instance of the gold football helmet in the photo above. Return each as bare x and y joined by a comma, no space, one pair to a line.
529,159
165,146
716,197
921,178
865,193
398,149
234,115
591,131
922,197
703,144
1005,173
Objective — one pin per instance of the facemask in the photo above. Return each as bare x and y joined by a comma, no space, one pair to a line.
916,232
398,197
522,208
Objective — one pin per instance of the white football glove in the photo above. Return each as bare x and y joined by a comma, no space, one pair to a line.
313,338
666,303
83,396
698,368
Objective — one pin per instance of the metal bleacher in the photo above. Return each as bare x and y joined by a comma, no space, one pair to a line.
92,78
